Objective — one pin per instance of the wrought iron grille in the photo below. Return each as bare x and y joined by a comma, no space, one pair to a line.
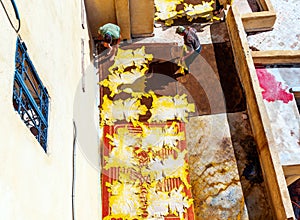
30,97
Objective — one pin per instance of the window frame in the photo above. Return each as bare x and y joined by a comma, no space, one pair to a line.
30,96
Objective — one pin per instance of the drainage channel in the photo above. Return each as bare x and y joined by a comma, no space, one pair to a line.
224,170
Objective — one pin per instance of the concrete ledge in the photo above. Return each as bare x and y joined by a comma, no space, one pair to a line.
269,159
276,57
260,21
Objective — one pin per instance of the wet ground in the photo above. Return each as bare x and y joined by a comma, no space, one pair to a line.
213,84
214,87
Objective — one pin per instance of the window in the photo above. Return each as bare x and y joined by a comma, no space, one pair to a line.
30,97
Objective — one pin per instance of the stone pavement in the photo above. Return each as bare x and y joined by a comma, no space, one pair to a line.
286,32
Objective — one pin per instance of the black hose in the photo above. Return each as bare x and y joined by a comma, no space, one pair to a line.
73,168
16,9
16,13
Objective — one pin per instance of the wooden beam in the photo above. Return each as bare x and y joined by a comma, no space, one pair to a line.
123,18
292,173
266,5
99,12
258,21
142,18
291,179
276,57
269,159
291,169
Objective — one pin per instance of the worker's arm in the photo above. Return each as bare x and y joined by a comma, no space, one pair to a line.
109,47
189,52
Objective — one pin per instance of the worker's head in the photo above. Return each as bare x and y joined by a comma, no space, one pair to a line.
180,30
107,38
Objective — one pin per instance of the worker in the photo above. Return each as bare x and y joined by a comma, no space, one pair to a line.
192,43
110,34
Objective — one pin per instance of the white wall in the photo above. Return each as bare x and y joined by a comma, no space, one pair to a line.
33,184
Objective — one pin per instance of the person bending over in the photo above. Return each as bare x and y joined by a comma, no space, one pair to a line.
192,43
110,34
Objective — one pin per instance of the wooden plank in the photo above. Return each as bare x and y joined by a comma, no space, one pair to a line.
123,18
276,57
99,12
142,17
291,179
292,173
296,94
291,169
266,5
269,158
258,21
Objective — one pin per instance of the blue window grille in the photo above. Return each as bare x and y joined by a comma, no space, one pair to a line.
30,97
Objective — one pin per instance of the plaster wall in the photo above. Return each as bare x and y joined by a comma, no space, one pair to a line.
35,184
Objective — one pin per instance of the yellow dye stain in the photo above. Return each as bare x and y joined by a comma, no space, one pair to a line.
129,110
203,10
121,156
106,114
124,137
166,10
163,203
170,108
128,58
182,64
157,139
128,79
170,167
182,107
140,58
163,108
124,200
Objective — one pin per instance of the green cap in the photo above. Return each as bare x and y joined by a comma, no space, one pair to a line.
180,29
